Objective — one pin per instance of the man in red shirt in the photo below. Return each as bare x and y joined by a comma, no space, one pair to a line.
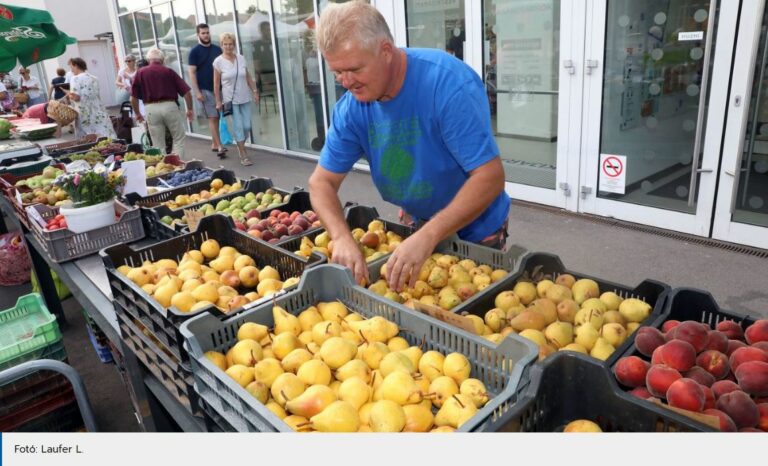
159,87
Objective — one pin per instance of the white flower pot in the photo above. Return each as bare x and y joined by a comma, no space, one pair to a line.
89,218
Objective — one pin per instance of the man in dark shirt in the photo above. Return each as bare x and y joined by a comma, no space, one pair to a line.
159,86
201,76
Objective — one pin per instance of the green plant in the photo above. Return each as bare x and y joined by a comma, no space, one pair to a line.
91,187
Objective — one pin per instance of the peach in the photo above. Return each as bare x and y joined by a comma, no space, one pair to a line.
716,341
763,345
641,392
677,354
670,335
740,407
709,398
656,357
694,333
631,371
669,325
731,329
746,354
721,387
762,424
752,377
726,423
701,376
733,345
714,362
757,332
648,339
751,430
686,394
659,378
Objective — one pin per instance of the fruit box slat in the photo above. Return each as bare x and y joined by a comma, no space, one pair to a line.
653,292
500,368
163,323
569,386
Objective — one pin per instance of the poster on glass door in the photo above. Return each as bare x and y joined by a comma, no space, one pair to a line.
613,173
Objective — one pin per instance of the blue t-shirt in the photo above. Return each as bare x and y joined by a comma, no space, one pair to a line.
422,144
202,57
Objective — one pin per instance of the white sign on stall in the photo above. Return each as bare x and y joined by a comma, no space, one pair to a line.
613,173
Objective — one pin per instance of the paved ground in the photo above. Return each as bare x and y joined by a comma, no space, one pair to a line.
620,255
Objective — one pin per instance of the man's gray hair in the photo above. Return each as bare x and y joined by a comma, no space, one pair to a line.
352,22
155,54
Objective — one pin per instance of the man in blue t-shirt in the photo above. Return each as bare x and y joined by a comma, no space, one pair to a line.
421,119
201,75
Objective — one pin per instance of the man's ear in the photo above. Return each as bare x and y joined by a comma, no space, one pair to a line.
387,48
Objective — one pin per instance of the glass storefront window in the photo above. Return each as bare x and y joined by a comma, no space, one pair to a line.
186,20
219,13
436,25
333,89
521,79
130,42
651,97
165,36
144,25
130,5
299,75
256,47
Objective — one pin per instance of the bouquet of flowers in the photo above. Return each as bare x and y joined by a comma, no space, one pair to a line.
91,187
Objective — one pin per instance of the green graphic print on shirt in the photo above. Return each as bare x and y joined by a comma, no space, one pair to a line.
396,177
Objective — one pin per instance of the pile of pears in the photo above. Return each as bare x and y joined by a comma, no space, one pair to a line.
564,315
374,243
443,281
217,188
331,370
211,276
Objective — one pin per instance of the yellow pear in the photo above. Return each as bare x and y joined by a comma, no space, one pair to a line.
582,425
252,331
268,272
297,423
314,372
575,347
355,391
269,287
228,251
535,336
333,310
373,353
267,370
396,361
586,336
400,388
431,365
340,416
353,368
314,400
496,319
191,284
285,321
559,334
611,300
286,386
443,430
414,353
183,301
614,333
258,390
337,351
525,292
387,416
397,344
542,286
375,329
309,317
324,330
306,337
497,275
223,263
217,358
139,275
247,352
284,343
558,293
614,317
475,390
189,274
418,418
566,310
243,261
164,294
634,310
243,375
456,410
632,326
602,349
365,413
584,289
206,292
295,359
443,388
276,409
594,317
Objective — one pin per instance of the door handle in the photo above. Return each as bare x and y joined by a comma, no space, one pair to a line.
702,105
591,64
568,65
704,170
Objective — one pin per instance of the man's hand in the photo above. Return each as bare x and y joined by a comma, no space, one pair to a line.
190,114
199,96
139,117
347,252
407,260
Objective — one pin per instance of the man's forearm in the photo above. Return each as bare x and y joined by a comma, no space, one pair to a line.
188,100
135,105
193,81
478,192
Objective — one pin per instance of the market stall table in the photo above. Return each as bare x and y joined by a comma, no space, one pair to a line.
87,280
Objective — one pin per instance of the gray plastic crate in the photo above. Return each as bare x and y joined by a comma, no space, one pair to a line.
508,260
64,245
501,368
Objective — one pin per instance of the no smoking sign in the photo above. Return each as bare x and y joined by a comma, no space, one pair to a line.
613,173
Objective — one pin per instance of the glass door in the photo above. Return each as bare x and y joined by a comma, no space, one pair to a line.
532,54
741,215
653,119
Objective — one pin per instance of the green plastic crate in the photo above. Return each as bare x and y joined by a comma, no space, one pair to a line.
25,328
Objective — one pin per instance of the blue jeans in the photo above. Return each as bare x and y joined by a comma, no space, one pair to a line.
240,122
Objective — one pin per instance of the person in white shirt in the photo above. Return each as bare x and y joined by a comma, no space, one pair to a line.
232,83
31,85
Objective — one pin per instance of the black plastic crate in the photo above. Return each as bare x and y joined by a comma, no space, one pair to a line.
255,186
652,292
66,418
149,204
690,304
164,323
191,165
36,408
357,216
568,386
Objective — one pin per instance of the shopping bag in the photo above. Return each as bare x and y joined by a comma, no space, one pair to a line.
139,135
224,135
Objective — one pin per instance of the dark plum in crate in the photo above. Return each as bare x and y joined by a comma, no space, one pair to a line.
180,178
279,224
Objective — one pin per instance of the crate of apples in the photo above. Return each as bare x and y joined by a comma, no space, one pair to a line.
718,370
56,223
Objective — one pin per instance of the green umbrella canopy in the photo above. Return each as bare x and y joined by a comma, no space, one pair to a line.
29,36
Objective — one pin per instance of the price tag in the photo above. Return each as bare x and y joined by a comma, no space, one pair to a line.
35,215
193,218
448,317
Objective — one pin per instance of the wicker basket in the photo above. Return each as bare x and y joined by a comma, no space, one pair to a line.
21,97
61,113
